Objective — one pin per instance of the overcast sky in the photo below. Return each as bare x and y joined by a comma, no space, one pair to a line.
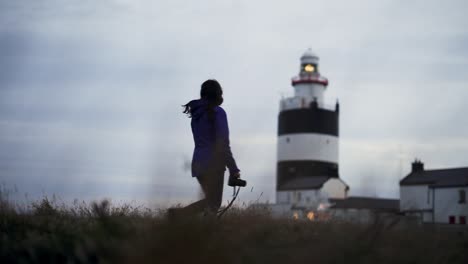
90,91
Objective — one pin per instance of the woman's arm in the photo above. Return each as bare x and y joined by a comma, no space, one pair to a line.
222,140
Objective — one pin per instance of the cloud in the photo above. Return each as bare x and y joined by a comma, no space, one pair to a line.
93,90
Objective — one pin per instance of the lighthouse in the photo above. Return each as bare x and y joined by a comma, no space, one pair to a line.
307,172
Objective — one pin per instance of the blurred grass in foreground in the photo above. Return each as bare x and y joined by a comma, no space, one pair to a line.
101,233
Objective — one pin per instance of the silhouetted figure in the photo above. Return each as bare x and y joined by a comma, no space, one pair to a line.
212,152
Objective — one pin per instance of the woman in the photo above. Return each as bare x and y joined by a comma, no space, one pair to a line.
212,152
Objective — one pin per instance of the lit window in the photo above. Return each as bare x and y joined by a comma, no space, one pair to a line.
462,196
451,219
295,216
462,220
311,216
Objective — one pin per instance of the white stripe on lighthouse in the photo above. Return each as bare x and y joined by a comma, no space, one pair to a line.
308,146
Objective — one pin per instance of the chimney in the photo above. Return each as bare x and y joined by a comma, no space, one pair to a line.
417,166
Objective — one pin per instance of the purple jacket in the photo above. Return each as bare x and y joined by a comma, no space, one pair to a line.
211,136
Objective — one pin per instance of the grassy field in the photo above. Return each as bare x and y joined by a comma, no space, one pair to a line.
101,233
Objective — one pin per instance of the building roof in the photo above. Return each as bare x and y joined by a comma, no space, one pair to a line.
309,53
315,182
366,203
438,178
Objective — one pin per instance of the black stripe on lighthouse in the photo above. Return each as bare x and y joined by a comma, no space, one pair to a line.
308,120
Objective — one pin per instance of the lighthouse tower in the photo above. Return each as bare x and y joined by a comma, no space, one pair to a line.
307,150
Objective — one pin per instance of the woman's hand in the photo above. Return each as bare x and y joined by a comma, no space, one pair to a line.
236,175
235,180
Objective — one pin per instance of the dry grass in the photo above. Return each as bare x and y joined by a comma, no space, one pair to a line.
101,233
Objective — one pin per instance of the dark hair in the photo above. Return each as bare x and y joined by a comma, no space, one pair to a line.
212,92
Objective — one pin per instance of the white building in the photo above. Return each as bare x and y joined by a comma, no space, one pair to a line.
436,196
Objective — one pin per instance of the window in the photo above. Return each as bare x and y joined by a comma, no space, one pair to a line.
462,220
462,196
451,219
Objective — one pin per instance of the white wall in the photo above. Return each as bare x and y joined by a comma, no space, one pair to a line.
308,146
446,204
298,102
308,198
310,91
335,188
426,217
363,216
415,198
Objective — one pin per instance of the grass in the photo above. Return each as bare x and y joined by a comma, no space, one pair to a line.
102,233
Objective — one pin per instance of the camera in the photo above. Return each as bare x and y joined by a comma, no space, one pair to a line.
234,181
